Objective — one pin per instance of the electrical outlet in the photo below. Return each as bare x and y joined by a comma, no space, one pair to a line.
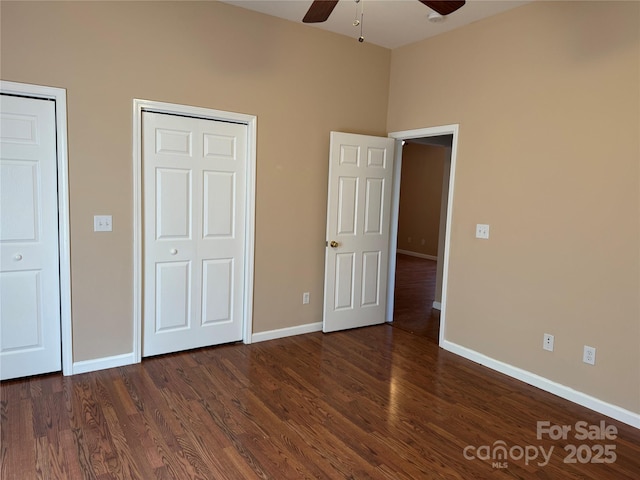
482,231
589,355
547,342
305,298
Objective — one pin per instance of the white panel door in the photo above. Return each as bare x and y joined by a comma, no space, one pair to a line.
358,221
194,231
29,255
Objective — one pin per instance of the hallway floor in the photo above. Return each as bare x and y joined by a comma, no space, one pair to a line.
414,294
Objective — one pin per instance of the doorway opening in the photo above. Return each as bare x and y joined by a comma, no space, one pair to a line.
421,219
421,227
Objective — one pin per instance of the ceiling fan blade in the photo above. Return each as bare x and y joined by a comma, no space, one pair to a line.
320,10
443,7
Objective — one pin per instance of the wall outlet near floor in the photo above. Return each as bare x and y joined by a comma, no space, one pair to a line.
589,355
305,298
547,342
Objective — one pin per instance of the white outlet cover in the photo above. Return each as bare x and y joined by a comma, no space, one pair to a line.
102,223
589,355
547,342
482,231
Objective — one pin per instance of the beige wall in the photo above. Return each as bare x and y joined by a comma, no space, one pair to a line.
547,97
298,81
420,198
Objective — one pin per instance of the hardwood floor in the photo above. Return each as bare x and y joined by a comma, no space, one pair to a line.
376,402
413,297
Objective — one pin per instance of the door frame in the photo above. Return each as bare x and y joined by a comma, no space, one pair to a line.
59,96
250,121
395,209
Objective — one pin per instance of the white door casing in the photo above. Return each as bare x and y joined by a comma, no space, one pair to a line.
30,299
358,226
194,174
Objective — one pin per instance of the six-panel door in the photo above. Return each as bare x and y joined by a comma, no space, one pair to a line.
358,221
194,189
29,255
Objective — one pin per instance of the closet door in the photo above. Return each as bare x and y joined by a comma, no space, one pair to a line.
194,227
29,255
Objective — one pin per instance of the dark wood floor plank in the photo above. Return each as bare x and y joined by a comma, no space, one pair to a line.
263,422
414,295
51,462
66,446
17,427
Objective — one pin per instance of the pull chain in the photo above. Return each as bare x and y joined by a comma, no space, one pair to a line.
360,22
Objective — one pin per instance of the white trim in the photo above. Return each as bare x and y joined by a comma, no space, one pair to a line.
417,254
250,226
395,207
568,393
286,332
199,112
393,235
436,305
59,95
103,363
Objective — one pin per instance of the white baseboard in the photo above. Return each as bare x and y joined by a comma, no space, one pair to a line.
436,305
416,254
286,332
86,366
568,393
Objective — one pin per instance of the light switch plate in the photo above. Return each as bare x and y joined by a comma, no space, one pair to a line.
482,231
102,223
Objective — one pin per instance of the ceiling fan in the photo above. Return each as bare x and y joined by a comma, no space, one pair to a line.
320,10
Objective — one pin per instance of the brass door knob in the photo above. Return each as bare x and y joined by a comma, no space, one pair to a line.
334,244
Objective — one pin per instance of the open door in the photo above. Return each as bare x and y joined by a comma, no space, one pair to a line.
358,221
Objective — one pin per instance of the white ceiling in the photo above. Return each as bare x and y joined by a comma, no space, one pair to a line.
388,23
